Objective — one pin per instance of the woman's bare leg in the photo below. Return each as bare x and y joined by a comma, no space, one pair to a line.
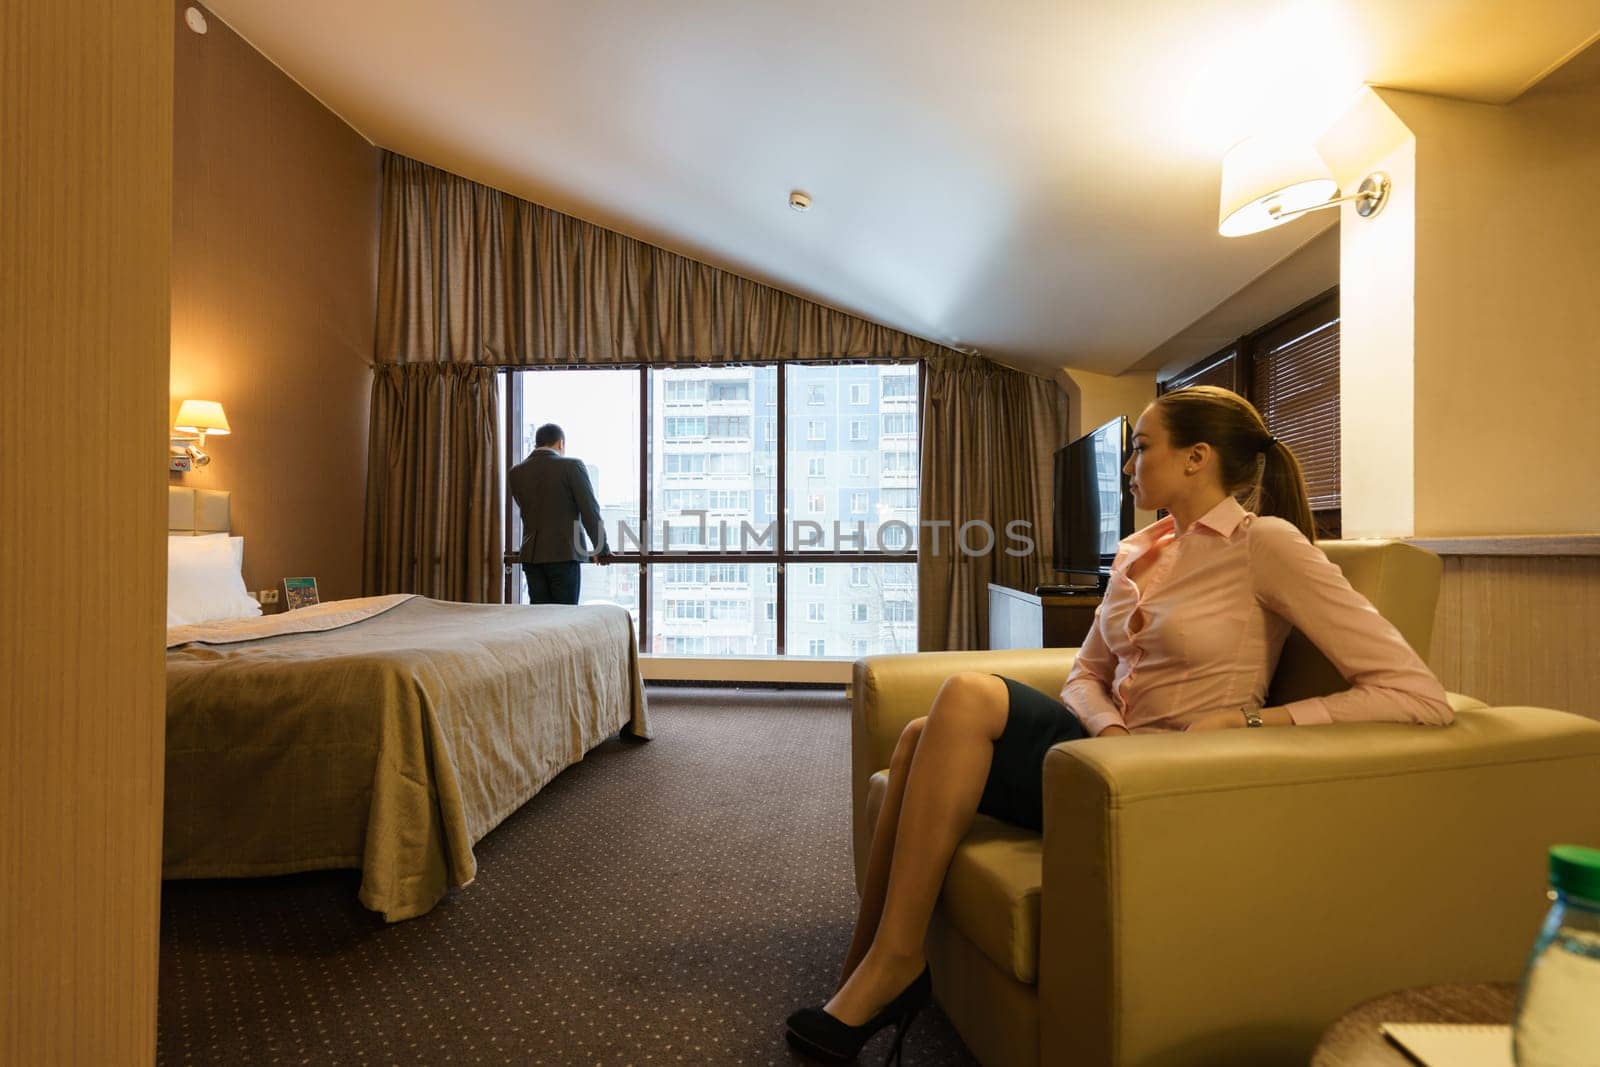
943,786
875,884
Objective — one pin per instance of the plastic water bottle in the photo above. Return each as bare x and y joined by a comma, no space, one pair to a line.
1558,1011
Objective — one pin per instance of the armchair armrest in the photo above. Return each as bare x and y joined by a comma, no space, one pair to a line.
889,691
1222,897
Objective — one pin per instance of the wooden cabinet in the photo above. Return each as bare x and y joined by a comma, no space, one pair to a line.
1022,620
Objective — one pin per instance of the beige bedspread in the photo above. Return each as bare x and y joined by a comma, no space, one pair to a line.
391,743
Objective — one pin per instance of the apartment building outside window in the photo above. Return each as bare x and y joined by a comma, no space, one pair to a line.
721,474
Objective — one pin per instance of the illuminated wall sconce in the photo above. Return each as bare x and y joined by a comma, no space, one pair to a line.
1267,182
196,418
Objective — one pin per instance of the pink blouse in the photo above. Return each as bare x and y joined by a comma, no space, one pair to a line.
1202,629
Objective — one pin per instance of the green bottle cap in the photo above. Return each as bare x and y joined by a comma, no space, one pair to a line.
1575,871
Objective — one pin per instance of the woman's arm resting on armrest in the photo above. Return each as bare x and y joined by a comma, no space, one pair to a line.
1388,682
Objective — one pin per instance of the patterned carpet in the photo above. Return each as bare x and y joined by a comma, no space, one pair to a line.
668,902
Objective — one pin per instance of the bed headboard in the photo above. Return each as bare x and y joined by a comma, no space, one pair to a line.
196,511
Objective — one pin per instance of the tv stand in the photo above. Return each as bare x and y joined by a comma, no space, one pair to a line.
1022,620
1068,590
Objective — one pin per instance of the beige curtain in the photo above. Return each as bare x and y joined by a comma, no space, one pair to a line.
433,523
468,274
989,436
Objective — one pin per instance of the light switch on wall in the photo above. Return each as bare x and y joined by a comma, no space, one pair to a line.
269,596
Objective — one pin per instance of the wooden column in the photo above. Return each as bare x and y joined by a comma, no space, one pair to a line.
85,233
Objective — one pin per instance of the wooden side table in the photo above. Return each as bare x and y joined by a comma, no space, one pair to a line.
1354,1041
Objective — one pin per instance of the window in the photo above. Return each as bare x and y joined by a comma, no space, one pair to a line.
858,647
1289,369
817,647
899,425
686,391
707,514
735,426
899,462
899,611
685,428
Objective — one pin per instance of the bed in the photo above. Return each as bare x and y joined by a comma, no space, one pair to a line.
388,734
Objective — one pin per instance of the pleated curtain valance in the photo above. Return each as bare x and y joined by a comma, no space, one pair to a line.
469,274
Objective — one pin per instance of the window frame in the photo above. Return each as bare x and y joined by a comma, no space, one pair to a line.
783,552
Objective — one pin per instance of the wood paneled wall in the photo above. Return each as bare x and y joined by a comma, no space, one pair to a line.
1521,630
85,232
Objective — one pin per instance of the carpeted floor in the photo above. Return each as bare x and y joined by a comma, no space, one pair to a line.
668,902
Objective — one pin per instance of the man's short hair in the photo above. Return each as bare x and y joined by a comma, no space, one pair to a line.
548,436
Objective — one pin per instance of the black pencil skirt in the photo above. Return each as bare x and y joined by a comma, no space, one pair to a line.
1035,721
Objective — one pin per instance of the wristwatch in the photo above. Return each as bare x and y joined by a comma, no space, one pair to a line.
1252,716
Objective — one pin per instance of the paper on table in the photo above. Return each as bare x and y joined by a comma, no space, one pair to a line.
1452,1044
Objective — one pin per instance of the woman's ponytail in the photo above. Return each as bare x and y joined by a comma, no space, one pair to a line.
1283,488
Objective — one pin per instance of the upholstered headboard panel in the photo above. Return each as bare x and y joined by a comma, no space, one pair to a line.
197,511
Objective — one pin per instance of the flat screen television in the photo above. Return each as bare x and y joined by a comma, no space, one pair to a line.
1093,507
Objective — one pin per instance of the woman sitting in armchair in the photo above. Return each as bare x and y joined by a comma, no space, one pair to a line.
1187,637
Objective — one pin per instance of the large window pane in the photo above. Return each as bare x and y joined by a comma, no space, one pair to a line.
598,410
713,609
713,462
852,473
851,609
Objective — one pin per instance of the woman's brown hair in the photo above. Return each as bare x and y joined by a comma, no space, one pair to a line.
1255,464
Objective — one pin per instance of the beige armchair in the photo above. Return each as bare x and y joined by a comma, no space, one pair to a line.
1221,898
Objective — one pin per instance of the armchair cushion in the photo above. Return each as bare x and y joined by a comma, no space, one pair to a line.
991,893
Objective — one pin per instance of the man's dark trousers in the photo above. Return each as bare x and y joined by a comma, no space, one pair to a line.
552,583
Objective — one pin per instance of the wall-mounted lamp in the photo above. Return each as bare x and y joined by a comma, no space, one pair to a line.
1267,182
196,417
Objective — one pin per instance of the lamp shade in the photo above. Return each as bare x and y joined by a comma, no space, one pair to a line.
201,416
1265,178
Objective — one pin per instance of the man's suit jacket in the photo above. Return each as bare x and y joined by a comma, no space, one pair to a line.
552,491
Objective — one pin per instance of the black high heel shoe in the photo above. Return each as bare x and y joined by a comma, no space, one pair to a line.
816,1033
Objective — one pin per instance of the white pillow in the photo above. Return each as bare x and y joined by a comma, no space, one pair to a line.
204,583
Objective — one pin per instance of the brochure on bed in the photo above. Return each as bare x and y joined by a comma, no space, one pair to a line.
388,734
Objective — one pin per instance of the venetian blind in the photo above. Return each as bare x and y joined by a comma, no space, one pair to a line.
1221,371
1295,386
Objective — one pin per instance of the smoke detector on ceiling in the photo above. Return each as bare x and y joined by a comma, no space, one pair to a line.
195,19
800,201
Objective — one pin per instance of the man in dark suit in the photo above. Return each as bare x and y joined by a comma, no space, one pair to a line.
553,493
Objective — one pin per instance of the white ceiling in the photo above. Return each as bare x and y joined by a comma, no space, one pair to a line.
1033,180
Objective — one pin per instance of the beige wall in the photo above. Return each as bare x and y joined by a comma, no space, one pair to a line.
1096,399
85,170
1474,292
1508,320
1377,328
274,283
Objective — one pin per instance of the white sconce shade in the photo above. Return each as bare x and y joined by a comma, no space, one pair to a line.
1267,181
201,417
